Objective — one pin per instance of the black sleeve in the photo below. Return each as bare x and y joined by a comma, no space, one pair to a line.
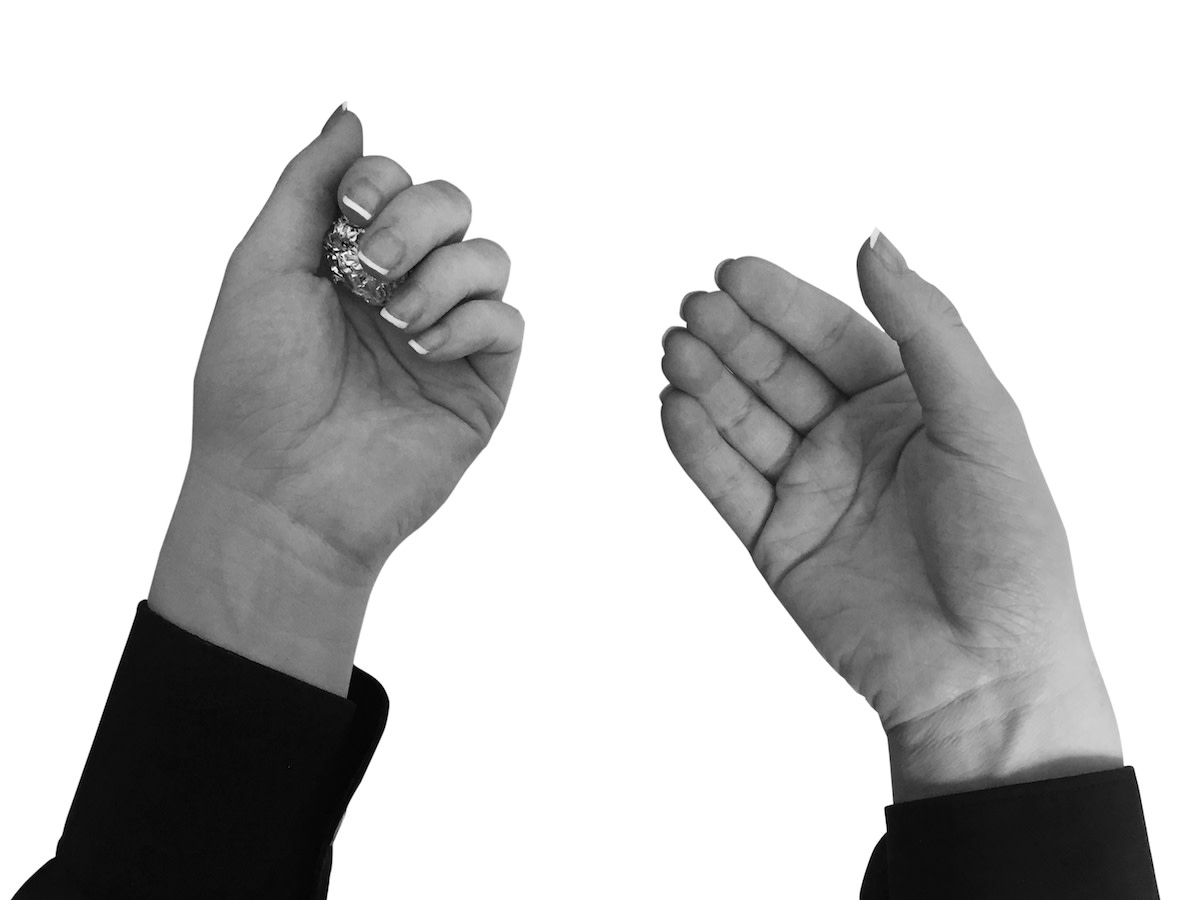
211,776
1063,838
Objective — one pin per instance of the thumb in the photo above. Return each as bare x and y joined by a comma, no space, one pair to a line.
962,399
287,235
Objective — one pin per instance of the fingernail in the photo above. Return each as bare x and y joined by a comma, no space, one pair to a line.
382,252
363,198
687,297
662,395
887,253
399,323
720,266
665,334
337,113
430,340
357,207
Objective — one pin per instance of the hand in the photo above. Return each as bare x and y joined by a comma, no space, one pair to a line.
888,493
324,433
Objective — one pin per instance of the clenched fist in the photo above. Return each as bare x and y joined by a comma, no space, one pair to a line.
326,430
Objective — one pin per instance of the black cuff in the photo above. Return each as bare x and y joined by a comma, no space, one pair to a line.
1081,836
212,775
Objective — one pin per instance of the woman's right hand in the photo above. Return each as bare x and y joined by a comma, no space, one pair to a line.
324,432
886,488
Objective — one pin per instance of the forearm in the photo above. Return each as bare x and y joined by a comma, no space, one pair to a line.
237,572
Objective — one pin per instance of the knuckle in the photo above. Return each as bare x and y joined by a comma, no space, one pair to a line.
518,321
740,416
375,159
939,304
772,367
433,277
495,253
385,167
453,193
293,165
437,261
837,330
421,288
420,203
289,177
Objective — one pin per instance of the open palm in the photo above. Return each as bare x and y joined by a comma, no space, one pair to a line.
883,483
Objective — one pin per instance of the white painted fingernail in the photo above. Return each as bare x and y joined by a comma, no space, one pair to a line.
874,237
399,323
366,262
417,347
345,105
354,206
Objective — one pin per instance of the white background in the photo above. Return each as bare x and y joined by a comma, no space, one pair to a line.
593,693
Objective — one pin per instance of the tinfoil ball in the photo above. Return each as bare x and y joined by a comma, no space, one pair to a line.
342,265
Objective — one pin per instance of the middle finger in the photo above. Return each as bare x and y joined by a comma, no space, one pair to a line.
416,221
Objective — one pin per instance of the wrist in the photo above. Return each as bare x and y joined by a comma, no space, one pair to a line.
1006,734
236,571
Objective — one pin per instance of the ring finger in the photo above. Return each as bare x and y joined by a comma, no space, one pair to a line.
474,269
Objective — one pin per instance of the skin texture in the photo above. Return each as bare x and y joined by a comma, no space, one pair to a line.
321,437
886,488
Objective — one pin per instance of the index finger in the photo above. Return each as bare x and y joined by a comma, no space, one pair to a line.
368,186
854,354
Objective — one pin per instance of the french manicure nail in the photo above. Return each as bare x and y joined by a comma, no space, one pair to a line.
887,253
430,339
383,251
357,207
399,323
363,198
366,261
